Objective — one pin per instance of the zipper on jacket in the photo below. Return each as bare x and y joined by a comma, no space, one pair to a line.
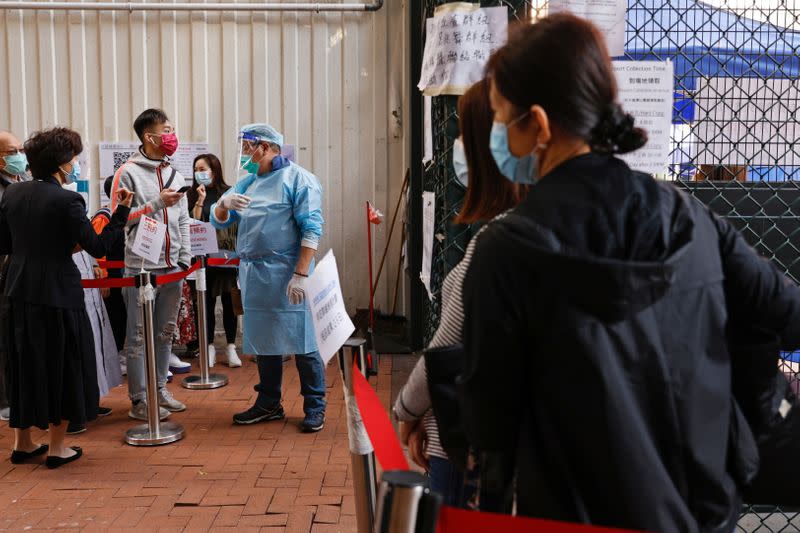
167,243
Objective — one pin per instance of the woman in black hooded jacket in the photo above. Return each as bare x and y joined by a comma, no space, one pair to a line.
601,311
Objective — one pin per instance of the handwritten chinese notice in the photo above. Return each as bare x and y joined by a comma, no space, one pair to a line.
203,238
646,89
459,40
149,239
608,15
332,324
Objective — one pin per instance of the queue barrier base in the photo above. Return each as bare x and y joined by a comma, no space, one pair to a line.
213,381
168,432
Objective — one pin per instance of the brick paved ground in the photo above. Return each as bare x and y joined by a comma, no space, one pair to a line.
265,477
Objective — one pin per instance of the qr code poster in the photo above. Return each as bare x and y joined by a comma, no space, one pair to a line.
114,155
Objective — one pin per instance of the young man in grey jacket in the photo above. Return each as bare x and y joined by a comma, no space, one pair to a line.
155,184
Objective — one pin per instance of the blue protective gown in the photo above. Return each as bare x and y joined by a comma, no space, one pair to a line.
286,210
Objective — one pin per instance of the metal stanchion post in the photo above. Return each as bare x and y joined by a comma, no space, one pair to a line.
205,380
364,471
406,504
154,432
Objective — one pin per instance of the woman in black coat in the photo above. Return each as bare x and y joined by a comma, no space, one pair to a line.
51,368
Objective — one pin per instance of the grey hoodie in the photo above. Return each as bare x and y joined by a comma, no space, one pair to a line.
146,178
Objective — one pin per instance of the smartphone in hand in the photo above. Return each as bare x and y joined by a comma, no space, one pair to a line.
184,189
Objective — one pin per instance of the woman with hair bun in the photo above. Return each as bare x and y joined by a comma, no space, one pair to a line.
601,313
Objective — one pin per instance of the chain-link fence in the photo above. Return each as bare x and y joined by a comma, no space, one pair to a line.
734,138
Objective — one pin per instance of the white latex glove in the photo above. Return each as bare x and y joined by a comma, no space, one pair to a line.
235,202
296,291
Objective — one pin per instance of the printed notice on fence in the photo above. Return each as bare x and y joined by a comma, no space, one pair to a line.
332,324
459,40
646,92
203,238
149,239
608,15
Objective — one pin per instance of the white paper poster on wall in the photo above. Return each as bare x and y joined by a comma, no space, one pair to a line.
608,15
332,324
82,185
646,92
114,155
460,37
428,229
288,151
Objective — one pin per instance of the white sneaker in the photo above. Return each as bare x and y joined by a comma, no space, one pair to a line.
212,356
168,402
177,366
233,357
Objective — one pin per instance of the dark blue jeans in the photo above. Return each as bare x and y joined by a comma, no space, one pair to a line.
454,486
312,381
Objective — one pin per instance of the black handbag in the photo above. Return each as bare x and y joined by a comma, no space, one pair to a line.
443,366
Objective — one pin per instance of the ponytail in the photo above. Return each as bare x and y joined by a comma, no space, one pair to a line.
616,133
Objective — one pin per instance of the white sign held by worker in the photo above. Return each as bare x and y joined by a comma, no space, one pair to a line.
203,238
332,324
608,15
460,37
149,239
646,92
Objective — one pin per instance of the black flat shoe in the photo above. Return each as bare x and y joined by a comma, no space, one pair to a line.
75,429
54,462
18,456
104,411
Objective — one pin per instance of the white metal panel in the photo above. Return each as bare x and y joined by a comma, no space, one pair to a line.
329,81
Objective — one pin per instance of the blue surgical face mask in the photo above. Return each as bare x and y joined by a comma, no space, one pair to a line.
203,178
460,162
16,164
73,175
520,170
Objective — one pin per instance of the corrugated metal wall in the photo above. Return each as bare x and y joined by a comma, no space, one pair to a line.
334,83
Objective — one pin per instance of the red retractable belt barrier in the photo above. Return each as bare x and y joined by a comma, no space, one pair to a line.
177,276
221,261
379,428
461,521
110,283
111,265
390,455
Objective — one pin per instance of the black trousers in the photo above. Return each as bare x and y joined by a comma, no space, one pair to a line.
118,316
229,319
3,353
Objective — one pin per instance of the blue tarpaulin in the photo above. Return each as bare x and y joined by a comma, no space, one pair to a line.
708,41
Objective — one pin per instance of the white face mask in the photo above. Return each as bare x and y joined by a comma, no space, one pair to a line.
460,162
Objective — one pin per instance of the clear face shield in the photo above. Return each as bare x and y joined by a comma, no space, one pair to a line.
248,145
